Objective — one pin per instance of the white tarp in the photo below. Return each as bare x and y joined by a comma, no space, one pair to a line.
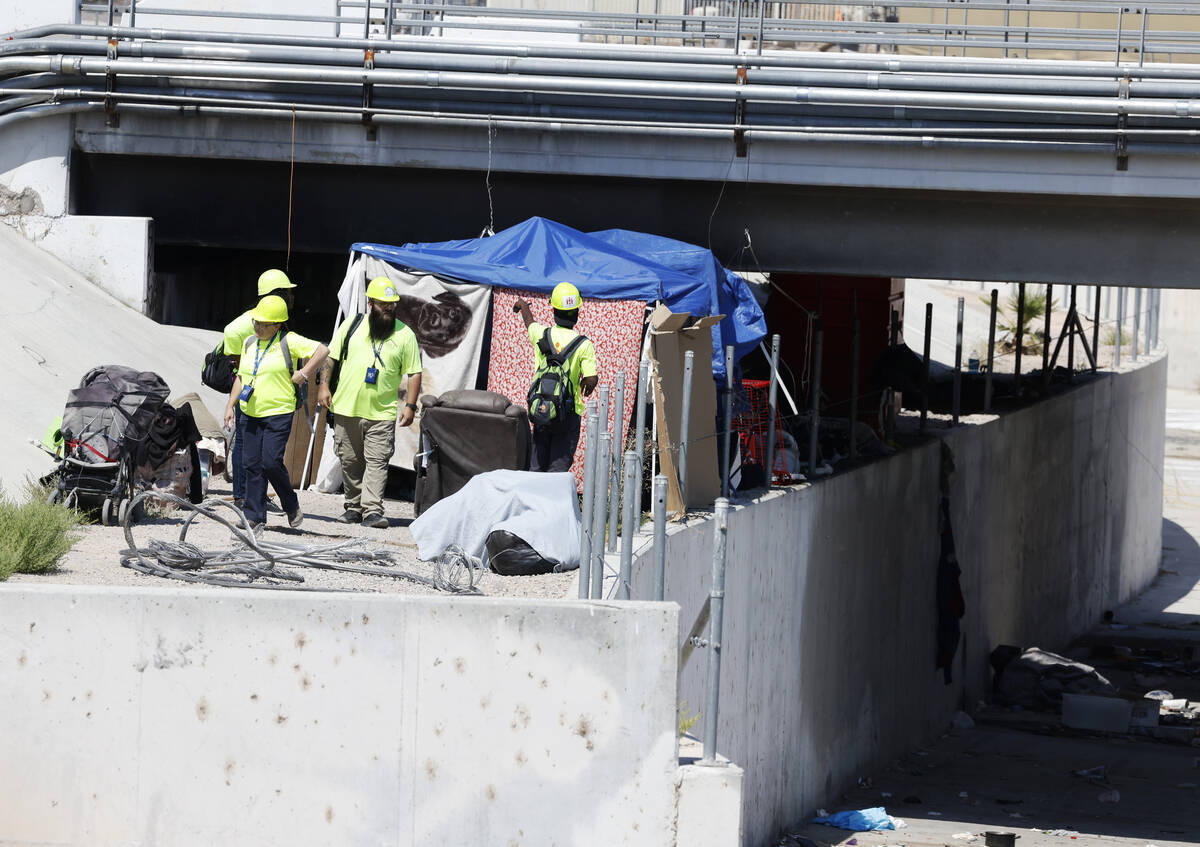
539,508
448,319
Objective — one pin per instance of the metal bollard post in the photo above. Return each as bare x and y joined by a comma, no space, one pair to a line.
1137,319
602,407
855,337
640,423
716,596
987,382
600,512
958,364
1149,319
1046,340
728,434
685,417
1072,322
1020,337
925,368
628,526
1120,328
814,432
618,446
590,445
660,536
772,410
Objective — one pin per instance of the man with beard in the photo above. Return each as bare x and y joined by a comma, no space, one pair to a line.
374,355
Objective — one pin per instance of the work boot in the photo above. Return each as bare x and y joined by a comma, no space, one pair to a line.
350,516
376,522
272,506
239,503
295,518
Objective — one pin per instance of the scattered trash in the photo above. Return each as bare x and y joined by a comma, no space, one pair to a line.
962,720
1091,712
821,813
935,814
1017,815
1061,833
1098,772
899,823
965,836
861,820
1113,796
852,841
1159,694
886,795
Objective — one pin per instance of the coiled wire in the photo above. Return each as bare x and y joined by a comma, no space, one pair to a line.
267,564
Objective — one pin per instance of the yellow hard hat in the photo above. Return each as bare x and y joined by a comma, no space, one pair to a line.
273,280
565,297
272,309
382,289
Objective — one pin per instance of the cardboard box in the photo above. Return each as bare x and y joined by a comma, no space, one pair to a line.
298,441
671,337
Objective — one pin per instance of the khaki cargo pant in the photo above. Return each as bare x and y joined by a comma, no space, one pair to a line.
364,448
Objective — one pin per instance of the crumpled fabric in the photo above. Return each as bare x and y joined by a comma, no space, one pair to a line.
861,820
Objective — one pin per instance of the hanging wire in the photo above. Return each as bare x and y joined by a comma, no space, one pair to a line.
490,229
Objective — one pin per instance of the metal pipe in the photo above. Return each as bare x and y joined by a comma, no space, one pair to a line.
685,417
1137,320
602,410
110,12
1096,332
600,512
889,417
1046,339
814,432
688,55
640,423
772,412
618,446
660,536
727,436
987,380
1072,322
628,526
590,447
558,84
762,11
958,342
716,596
1120,327
367,20
855,340
925,368
1157,313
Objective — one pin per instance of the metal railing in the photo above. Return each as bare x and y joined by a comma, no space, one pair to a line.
1150,31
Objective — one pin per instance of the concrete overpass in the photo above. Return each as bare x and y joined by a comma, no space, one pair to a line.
299,126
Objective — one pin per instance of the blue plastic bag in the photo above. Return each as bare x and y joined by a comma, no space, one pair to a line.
863,820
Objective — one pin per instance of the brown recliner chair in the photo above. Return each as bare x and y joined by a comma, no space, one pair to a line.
464,433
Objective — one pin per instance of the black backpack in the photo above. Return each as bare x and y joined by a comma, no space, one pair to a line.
550,394
336,371
217,372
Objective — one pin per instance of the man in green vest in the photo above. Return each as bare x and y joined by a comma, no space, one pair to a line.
273,281
556,435
374,355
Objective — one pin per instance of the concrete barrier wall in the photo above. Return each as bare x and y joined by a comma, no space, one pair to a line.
183,717
830,614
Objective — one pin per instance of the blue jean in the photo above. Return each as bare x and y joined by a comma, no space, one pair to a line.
264,441
239,470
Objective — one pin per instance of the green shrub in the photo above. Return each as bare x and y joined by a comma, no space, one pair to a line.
34,534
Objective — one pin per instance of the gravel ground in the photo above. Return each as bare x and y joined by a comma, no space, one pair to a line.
95,559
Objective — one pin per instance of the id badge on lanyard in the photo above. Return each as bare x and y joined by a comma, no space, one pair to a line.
259,355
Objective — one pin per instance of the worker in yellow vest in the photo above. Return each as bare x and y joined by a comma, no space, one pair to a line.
373,356
564,373
273,281
265,389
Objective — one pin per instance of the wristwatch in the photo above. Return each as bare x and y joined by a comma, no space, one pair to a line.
412,406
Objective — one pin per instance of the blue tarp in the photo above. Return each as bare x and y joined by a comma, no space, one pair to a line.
613,264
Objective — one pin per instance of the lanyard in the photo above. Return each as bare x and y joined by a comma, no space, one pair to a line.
259,355
377,351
